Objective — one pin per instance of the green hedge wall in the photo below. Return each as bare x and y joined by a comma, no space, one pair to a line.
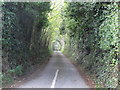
92,32
23,27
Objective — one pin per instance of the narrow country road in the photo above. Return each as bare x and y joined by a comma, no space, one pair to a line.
58,73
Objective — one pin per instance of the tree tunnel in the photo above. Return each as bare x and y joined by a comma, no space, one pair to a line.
57,46
85,32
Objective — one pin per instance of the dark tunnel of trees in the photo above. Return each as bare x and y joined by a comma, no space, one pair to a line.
90,32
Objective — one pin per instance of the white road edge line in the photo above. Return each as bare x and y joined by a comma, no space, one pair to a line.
55,78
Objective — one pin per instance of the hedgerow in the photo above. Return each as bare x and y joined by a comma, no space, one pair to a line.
92,32
24,40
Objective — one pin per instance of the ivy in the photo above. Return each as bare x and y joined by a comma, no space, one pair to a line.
22,35
92,39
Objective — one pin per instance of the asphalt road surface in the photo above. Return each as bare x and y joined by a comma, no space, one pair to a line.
58,73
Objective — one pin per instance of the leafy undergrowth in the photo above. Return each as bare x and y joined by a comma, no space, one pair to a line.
28,74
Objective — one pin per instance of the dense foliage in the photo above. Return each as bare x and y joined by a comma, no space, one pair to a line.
91,36
24,39
55,21
88,32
